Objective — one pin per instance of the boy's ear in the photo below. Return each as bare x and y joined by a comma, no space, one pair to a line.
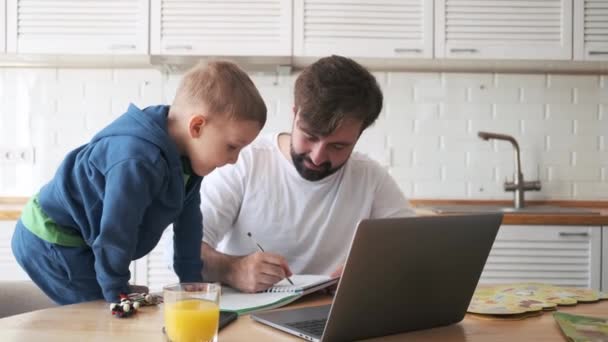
196,124
294,109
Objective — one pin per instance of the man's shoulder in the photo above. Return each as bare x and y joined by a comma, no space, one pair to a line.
264,142
363,168
264,146
361,161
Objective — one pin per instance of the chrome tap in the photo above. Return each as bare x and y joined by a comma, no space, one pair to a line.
518,185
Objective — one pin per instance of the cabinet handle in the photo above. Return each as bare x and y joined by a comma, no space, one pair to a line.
405,50
122,47
179,47
464,50
573,234
598,53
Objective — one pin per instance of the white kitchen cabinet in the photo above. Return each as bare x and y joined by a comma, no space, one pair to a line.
591,30
503,29
2,26
10,269
560,255
75,27
221,28
364,28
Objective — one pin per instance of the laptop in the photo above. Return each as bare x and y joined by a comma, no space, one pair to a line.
401,274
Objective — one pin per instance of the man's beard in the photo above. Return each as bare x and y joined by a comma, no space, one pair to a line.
325,169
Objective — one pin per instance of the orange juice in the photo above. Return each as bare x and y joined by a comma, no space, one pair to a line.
191,320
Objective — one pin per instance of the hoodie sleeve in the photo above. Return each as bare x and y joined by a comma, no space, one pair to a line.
129,189
188,234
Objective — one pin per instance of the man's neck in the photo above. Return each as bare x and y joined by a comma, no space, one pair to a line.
284,141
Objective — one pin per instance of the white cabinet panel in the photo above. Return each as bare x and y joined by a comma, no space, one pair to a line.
560,255
591,30
2,26
224,28
364,28
78,27
10,269
503,29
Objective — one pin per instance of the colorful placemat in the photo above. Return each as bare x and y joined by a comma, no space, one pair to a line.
522,299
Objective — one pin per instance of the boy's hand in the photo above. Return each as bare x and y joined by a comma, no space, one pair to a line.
257,272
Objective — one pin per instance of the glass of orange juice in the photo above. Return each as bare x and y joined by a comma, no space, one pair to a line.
192,311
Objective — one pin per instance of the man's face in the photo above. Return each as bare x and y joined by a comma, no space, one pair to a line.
316,157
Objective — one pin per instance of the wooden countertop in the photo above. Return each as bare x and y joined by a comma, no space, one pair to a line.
598,215
92,321
10,209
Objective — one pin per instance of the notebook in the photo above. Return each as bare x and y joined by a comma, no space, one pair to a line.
280,294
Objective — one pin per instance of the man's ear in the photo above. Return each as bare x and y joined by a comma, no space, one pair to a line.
294,109
196,125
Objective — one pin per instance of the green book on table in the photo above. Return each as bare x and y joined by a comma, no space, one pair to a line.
280,294
578,328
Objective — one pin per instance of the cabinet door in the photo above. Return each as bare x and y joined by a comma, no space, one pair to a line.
591,30
504,29
560,255
364,28
9,266
78,27
2,26
228,28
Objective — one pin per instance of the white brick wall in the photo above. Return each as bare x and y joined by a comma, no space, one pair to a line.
426,135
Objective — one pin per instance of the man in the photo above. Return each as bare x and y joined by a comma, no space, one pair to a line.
292,202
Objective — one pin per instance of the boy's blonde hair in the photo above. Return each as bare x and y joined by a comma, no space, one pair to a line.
220,87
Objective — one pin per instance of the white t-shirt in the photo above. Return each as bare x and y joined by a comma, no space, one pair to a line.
310,223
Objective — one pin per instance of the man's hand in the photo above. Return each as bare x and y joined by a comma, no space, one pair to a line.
337,273
248,273
257,271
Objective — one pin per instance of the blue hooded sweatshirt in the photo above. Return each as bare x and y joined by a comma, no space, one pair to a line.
121,191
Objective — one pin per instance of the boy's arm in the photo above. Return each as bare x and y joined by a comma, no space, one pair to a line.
187,234
130,187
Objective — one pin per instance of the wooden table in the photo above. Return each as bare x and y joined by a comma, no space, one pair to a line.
92,321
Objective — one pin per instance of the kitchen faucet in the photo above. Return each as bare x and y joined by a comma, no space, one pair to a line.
518,185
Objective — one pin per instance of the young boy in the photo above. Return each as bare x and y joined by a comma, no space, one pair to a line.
111,199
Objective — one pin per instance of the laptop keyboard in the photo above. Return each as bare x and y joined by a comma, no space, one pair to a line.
313,326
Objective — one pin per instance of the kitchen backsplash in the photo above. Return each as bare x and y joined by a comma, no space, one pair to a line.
426,135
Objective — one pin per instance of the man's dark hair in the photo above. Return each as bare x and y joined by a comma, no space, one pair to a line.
333,89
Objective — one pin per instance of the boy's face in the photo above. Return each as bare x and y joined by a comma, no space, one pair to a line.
218,140
316,157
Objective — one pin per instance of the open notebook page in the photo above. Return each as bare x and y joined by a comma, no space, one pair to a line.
301,283
280,294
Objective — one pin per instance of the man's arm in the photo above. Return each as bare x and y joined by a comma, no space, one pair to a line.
248,273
